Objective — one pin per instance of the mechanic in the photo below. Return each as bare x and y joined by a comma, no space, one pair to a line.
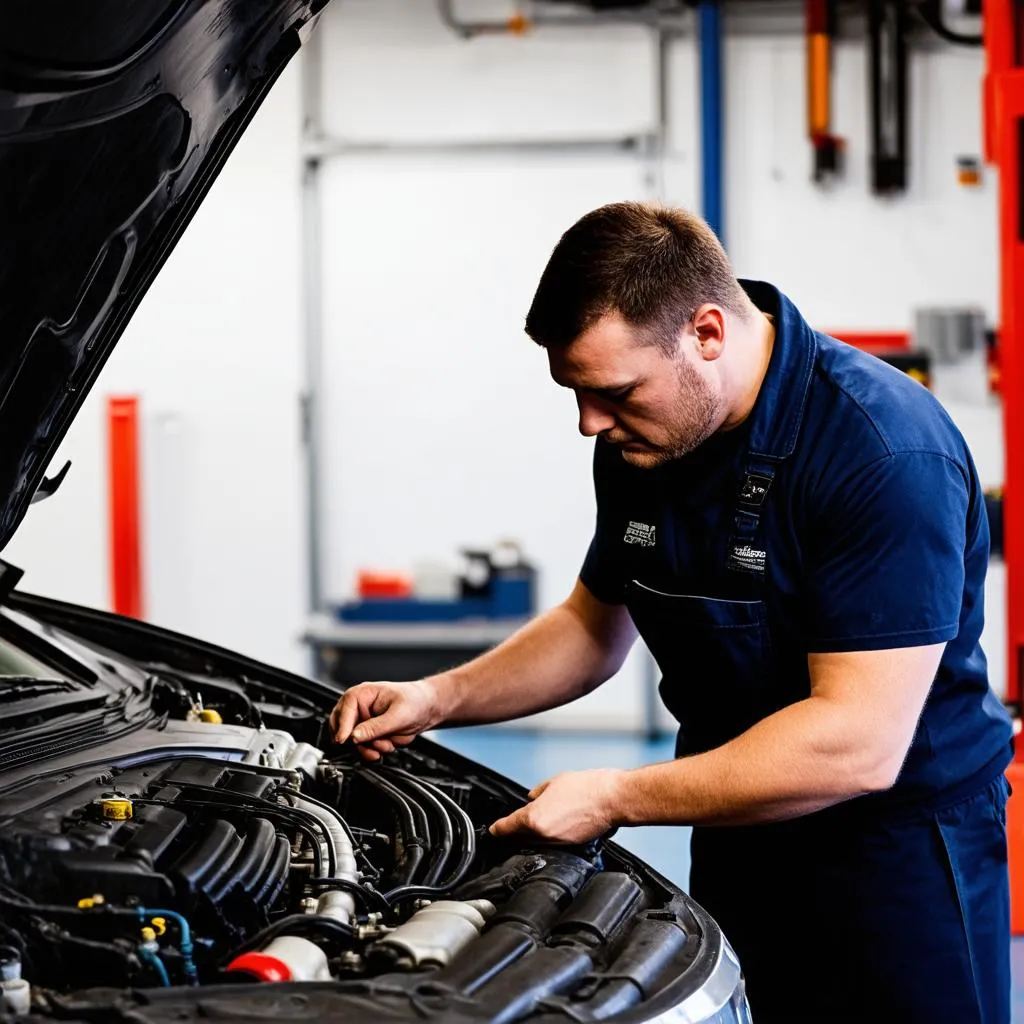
798,533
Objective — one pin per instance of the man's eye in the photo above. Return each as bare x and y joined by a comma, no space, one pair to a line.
620,396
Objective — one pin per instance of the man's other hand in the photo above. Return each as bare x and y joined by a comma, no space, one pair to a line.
571,808
378,717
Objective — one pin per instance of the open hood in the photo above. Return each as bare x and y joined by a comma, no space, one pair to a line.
115,119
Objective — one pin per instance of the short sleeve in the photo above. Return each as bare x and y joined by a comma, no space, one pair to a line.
603,573
886,562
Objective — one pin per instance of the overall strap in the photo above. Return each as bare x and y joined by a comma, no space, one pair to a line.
746,551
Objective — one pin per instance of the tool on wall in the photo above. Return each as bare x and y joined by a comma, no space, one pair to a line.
931,13
820,16
887,58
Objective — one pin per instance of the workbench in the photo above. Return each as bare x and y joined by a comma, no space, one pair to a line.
348,653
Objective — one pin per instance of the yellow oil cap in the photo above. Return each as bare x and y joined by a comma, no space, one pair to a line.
210,716
90,901
148,935
116,810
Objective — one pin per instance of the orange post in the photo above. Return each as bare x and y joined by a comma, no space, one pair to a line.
819,99
125,542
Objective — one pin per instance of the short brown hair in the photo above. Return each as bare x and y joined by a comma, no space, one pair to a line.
654,265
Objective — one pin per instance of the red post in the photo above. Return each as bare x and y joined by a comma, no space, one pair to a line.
123,469
1004,145
1000,56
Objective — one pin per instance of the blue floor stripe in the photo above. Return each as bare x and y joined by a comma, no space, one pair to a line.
529,758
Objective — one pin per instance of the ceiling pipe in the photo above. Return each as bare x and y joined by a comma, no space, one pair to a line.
521,22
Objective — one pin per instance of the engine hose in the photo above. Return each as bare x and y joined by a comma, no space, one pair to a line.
467,838
632,976
338,835
336,902
546,972
147,956
323,822
425,840
412,844
297,819
191,976
494,951
372,900
369,869
600,912
296,924
442,846
56,910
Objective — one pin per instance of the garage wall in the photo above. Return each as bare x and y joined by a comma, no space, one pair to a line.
443,428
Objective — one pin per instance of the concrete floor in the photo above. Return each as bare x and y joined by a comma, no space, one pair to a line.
529,758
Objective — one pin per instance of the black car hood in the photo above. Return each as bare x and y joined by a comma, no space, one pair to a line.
115,119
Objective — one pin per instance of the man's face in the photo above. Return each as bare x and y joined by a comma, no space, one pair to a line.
652,406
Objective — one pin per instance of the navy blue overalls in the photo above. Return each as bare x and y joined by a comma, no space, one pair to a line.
845,514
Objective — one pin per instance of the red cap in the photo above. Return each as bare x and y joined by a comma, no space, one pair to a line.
265,968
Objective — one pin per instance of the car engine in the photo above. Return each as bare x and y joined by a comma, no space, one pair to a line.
225,841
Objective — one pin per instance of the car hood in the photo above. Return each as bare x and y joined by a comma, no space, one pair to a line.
115,120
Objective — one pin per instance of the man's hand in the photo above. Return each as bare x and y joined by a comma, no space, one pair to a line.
571,808
380,716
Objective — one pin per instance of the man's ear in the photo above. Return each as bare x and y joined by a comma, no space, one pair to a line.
709,326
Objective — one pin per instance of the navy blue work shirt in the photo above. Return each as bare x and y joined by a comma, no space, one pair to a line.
871,533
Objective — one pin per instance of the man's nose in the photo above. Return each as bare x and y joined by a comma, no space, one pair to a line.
593,419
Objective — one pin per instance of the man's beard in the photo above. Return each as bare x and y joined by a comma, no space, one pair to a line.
696,417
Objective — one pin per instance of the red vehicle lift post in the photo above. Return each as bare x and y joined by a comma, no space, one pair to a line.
1004,147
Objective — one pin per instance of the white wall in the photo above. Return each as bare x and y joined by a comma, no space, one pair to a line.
213,352
442,427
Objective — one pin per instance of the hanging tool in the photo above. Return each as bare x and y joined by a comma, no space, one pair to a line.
821,30
887,57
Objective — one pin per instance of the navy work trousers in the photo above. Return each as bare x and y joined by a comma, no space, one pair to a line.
895,918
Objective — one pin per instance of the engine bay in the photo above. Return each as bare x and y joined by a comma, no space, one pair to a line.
223,843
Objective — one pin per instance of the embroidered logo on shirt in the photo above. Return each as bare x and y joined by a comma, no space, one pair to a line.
639,533
747,558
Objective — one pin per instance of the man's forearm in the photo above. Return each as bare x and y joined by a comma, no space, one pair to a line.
552,660
801,759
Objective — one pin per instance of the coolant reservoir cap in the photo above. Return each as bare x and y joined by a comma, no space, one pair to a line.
263,967
116,810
